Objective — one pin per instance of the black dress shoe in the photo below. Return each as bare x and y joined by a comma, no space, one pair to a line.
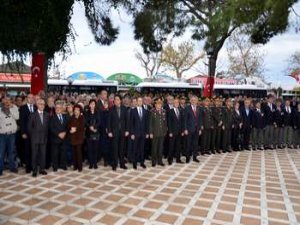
54,169
114,168
91,167
170,162
187,160
43,172
135,166
153,164
143,166
124,167
34,173
218,151
95,166
105,164
161,164
28,170
14,170
213,152
195,160
179,161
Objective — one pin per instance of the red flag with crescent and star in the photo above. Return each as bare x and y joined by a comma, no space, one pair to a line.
296,75
37,73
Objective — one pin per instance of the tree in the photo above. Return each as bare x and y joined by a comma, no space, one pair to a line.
44,26
293,63
150,61
245,58
180,58
210,20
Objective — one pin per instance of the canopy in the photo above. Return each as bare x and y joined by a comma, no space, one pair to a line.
86,76
125,78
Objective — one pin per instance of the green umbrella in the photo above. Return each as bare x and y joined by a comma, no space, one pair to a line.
125,78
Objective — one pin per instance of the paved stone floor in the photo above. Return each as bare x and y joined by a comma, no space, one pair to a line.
261,187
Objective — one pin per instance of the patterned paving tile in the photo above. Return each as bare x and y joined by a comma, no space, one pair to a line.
250,188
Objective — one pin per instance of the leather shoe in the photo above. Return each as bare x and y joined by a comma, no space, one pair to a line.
124,167
195,160
134,166
143,165
43,172
34,173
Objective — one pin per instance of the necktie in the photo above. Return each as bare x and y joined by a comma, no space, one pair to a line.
118,110
177,113
31,108
60,118
194,110
140,112
41,116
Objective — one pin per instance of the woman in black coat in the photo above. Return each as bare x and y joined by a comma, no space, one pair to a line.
92,123
237,126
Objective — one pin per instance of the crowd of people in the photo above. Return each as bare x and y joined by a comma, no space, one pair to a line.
57,131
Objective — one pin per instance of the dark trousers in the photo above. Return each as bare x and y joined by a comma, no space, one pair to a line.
138,150
77,156
246,137
58,155
20,148
207,139
92,150
104,151
27,153
7,144
236,140
192,144
118,142
226,141
48,154
216,139
38,156
174,147
157,150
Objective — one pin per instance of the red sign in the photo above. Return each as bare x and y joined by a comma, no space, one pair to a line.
37,72
15,78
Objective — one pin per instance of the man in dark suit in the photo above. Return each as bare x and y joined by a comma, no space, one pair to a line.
138,127
269,111
247,114
50,109
297,126
258,124
58,130
102,98
278,123
192,128
25,112
288,124
175,125
117,131
38,132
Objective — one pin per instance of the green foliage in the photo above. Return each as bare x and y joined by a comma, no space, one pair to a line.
209,20
29,26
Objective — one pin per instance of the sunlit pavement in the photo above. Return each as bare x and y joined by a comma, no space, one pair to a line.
259,187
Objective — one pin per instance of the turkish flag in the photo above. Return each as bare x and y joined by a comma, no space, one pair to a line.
37,73
208,91
296,75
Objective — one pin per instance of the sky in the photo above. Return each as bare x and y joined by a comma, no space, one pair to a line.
119,56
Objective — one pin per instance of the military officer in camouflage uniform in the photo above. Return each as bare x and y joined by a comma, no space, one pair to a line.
208,127
227,125
157,131
217,111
